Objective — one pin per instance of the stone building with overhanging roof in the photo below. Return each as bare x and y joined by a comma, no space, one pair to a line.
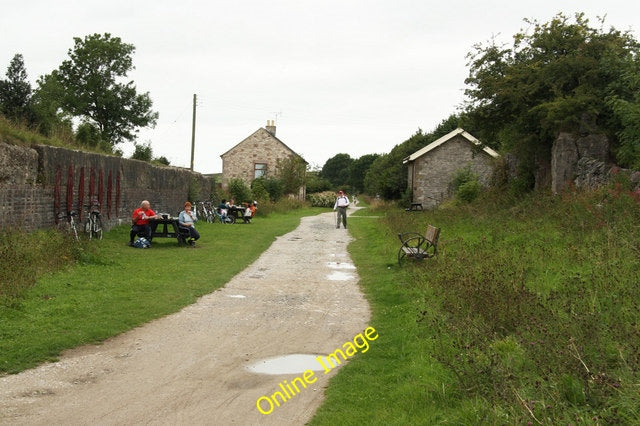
256,156
431,169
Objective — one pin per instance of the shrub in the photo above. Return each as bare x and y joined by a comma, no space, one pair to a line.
322,199
469,191
239,191
466,185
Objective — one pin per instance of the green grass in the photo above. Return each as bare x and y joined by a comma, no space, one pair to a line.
530,313
115,288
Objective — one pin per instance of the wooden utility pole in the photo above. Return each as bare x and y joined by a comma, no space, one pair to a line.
193,130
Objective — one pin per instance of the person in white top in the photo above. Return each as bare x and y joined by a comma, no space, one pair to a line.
342,202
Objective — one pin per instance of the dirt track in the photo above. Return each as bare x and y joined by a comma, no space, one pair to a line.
300,296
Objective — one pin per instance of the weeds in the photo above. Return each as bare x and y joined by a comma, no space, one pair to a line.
530,314
28,256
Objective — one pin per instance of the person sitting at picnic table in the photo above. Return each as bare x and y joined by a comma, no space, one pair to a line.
248,214
187,220
223,207
140,219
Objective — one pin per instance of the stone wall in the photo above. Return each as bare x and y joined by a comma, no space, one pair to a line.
431,175
37,184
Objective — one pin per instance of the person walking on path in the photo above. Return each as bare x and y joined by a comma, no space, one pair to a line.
342,202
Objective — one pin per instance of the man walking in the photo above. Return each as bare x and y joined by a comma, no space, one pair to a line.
342,202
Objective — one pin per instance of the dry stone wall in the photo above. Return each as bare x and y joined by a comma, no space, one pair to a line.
38,183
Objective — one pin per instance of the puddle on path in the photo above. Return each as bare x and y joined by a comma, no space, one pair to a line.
339,276
340,265
286,364
236,296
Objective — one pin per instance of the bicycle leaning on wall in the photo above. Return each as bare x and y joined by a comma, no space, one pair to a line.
93,224
69,223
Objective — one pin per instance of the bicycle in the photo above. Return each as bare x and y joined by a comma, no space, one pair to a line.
93,224
71,223
224,219
205,212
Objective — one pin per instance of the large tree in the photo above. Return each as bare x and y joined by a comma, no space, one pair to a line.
337,169
556,77
15,91
95,88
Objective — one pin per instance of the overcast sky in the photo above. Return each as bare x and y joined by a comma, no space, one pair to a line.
355,77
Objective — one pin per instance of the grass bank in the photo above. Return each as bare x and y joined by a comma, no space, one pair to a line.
529,315
115,288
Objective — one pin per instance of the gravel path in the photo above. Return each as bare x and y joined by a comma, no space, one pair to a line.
300,297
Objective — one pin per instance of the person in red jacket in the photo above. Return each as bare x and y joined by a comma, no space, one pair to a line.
140,219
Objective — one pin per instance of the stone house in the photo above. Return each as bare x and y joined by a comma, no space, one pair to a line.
256,156
432,168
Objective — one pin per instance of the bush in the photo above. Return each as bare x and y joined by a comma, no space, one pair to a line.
322,199
239,191
466,185
469,191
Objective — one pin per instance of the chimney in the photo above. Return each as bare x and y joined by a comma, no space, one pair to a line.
271,127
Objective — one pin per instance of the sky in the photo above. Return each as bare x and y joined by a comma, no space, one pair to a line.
355,77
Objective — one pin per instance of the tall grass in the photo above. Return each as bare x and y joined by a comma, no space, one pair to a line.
28,256
530,314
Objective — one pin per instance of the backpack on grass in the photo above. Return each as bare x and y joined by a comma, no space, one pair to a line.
142,243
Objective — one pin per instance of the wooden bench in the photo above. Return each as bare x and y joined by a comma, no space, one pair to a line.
414,207
416,246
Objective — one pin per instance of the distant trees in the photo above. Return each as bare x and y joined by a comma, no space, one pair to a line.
342,171
337,170
387,175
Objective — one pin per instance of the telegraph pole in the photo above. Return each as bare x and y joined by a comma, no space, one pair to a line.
193,130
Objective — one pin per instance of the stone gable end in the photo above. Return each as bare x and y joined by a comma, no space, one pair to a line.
260,147
430,175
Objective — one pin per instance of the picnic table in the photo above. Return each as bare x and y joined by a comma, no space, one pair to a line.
169,227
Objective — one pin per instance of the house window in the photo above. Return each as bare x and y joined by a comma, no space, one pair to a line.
259,170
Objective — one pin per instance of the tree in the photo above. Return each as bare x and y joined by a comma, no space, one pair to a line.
315,183
92,86
556,78
292,173
358,171
47,106
142,152
337,169
15,91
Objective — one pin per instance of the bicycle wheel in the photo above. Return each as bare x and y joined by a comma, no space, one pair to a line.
73,229
96,227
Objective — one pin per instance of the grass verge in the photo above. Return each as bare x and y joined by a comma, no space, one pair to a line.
529,315
118,287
